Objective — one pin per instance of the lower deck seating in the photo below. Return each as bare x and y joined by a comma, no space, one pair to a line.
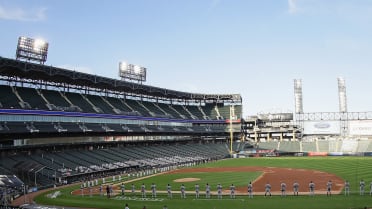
71,162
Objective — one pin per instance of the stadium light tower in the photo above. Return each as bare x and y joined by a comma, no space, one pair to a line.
342,94
132,72
30,49
298,96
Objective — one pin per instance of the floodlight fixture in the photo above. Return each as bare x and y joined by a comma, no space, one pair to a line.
30,49
132,72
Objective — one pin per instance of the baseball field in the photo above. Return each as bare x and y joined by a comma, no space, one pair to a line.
239,172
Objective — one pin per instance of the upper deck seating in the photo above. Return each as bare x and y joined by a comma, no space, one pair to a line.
78,100
101,104
55,98
8,99
32,97
181,110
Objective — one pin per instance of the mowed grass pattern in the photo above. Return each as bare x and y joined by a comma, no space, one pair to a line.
352,168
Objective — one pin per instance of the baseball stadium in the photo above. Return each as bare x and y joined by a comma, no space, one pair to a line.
77,140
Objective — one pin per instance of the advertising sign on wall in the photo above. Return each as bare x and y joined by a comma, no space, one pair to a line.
322,127
360,128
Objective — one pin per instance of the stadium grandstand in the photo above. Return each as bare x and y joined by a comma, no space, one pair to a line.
315,133
61,126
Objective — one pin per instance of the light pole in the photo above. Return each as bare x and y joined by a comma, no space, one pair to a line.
231,128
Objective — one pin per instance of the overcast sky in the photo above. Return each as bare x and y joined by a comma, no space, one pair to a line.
251,47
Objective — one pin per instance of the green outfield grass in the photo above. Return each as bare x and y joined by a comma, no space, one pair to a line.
350,168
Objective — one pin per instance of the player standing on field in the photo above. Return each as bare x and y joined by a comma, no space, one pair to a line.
283,188
361,187
122,189
133,190
312,188
296,187
196,191
143,190
153,190
207,191
183,193
267,189
232,191
347,188
169,191
219,191
329,188
250,190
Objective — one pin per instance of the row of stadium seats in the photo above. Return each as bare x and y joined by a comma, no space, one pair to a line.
48,165
31,98
50,127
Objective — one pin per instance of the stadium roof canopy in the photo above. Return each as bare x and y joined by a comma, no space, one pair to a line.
26,70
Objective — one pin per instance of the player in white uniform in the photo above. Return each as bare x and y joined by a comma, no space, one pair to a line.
361,187
312,188
207,191
347,188
122,189
329,188
283,189
250,190
183,193
267,189
133,190
143,190
296,187
196,191
219,191
169,191
370,188
153,190
232,191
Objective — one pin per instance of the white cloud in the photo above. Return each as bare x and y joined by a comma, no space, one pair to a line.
79,69
19,14
292,6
